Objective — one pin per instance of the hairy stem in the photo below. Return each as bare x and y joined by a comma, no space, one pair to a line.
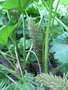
47,38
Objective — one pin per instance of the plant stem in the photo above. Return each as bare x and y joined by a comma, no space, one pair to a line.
58,20
37,61
47,38
29,53
24,54
11,72
8,15
7,59
18,59
18,56
11,54
43,44
54,15
12,81
66,76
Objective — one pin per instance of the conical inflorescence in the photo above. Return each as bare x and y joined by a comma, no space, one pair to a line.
35,35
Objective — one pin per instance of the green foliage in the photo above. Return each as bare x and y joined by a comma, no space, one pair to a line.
4,82
25,86
5,33
14,9
63,68
60,48
3,86
21,43
61,11
3,78
47,1
20,86
57,30
32,9
20,5
9,4
3,18
64,2
54,82
65,20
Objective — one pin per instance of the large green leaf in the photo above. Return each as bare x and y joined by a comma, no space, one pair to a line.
25,4
21,43
5,32
16,4
57,30
64,2
60,48
10,4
